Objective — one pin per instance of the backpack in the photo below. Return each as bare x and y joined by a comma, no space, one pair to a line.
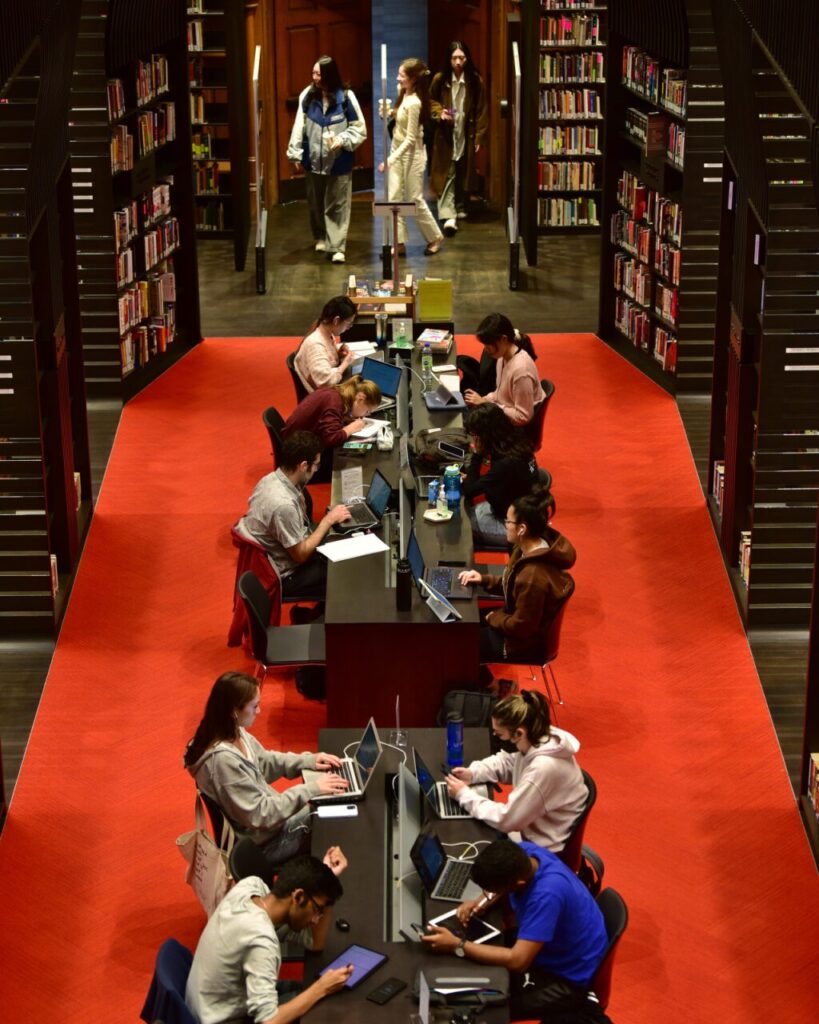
311,682
427,446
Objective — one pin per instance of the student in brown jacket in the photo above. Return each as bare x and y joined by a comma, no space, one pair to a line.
533,584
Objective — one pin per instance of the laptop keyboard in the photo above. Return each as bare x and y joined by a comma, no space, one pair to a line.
454,879
360,513
448,805
347,771
441,580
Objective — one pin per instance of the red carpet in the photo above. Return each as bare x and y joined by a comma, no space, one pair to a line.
695,817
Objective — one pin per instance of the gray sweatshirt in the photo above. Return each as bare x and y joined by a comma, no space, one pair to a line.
241,785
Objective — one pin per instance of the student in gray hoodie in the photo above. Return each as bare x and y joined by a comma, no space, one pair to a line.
234,769
548,791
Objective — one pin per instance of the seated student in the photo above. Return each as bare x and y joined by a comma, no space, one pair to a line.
518,388
501,469
534,582
561,935
548,791
320,360
276,517
234,769
334,415
235,969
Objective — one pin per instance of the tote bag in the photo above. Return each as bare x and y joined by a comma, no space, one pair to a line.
208,872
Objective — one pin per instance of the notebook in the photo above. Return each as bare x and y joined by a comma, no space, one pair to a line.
442,578
364,515
443,877
436,792
356,770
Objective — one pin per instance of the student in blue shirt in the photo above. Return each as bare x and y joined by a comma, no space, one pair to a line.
561,935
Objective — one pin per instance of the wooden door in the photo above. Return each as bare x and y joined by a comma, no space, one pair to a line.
304,30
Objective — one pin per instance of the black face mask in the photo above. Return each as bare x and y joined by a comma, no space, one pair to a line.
507,746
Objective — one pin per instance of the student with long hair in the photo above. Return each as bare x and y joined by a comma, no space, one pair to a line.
321,360
548,791
534,583
231,767
517,390
408,156
501,469
459,112
328,129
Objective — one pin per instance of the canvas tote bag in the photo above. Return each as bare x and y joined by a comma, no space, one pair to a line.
208,872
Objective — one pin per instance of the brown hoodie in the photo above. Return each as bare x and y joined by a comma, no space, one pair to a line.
533,588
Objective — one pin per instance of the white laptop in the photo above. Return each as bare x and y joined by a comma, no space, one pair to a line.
357,770
436,792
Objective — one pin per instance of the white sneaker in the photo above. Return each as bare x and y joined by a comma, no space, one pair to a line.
338,257
461,214
450,227
320,247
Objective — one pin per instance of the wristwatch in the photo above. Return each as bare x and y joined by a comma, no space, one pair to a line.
459,949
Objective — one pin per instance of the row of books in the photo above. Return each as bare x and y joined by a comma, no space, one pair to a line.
146,210
151,78
206,178
570,103
718,483
122,149
649,129
674,90
148,297
667,260
196,37
125,267
156,204
632,278
567,175
745,573
579,211
156,127
202,146
636,324
665,349
116,98
551,5
197,108
571,67
570,30
361,287
676,144
126,225
644,204
161,241
633,235
572,140
642,73
667,302
137,346
211,216
813,784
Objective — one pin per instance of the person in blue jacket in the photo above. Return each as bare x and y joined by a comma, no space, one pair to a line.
328,129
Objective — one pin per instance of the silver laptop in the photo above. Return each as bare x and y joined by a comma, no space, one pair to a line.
356,770
436,792
443,877
365,515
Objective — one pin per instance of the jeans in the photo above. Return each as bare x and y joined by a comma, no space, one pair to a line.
293,839
308,580
486,526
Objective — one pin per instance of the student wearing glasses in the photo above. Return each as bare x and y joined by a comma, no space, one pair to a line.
235,970
517,388
534,583
321,360
538,761
232,767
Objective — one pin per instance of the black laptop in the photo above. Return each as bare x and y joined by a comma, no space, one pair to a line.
386,375
443,578
364,515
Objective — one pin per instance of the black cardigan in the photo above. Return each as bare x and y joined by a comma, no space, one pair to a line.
508,478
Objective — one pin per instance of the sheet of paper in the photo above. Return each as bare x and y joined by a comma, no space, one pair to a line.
446,368
353,547
451,381
360,348
352,483
370,428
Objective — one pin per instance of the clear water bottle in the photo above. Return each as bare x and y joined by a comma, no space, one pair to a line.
440,502
452,487
454,740
426,364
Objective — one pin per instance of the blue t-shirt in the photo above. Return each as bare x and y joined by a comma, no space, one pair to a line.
559,911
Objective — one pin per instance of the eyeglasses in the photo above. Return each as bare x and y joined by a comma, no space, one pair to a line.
320,908
510,522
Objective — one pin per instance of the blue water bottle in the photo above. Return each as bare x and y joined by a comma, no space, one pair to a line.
432,493
452,486
454,740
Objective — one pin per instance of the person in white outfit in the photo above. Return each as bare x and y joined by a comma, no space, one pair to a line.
408,155
548,789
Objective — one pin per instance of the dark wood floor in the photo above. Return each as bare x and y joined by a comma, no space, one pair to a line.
559,295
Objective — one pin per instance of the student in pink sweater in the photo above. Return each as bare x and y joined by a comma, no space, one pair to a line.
517,390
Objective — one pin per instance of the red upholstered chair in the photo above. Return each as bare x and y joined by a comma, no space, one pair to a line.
252,558
573,850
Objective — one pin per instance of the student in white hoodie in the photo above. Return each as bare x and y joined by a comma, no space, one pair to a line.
548,790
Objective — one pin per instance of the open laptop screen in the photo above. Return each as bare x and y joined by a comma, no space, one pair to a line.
385,375
378,493
429,859
369,750
424,776
415,558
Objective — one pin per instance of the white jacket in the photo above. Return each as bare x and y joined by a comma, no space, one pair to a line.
548,791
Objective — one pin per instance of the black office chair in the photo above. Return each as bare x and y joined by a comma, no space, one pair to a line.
544,477
278,646
275,424
247,859
300,389
166,997
534,428
615,914
572,852
219,821
478,376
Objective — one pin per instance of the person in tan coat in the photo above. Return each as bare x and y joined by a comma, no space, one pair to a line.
459,113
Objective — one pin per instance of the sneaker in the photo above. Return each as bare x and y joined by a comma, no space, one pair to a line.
338,257
461,214
320,247
450,227
434,247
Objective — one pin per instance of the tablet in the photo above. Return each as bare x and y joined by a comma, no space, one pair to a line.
475,930
364,962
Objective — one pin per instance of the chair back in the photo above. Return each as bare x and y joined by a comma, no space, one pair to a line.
257,605
615,914
218,819
247,859
275,424
534,428
166,996
300,389
573,850
551,639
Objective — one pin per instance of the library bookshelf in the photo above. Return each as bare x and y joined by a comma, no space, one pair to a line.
661,193
133,203
217,75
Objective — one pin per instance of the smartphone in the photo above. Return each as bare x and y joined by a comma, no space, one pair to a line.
418,929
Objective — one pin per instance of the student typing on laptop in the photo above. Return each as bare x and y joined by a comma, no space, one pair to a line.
235,770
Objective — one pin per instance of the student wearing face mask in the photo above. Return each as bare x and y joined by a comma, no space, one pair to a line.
538,761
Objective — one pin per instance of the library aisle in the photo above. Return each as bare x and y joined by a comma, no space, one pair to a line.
695,817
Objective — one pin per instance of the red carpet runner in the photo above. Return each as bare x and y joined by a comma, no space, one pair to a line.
695,818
